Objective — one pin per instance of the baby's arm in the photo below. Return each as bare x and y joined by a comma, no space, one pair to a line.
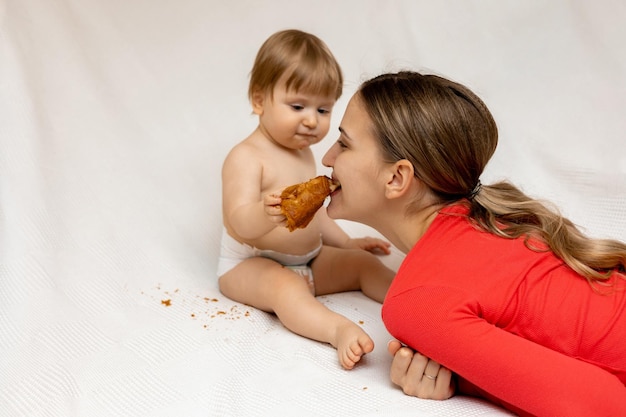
370,244
334,235
244,208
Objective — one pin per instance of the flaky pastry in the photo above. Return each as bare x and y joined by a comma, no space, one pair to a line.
300,202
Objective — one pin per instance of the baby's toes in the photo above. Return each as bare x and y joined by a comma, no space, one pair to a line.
346,361
355,352
366,345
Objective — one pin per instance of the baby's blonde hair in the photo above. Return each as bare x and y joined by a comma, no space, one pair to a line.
304,62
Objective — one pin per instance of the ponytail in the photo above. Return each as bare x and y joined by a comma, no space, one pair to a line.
504,210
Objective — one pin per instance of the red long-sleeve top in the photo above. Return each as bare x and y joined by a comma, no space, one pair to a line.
518,327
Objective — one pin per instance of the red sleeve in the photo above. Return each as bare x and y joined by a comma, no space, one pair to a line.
525,377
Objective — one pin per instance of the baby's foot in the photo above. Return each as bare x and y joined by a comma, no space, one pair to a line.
351,343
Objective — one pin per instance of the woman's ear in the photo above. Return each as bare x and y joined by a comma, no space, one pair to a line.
257,99
401,177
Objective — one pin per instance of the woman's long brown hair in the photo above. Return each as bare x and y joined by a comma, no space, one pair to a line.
449,135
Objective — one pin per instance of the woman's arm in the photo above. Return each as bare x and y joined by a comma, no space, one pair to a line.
524,376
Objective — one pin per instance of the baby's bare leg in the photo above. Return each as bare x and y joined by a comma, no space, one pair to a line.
267,285
338,270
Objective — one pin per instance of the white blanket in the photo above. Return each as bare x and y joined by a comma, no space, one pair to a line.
115,117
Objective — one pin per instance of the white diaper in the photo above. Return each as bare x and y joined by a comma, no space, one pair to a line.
233,252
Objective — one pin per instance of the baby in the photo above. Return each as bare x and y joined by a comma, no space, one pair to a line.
294,84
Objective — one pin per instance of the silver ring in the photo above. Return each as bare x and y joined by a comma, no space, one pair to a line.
430,376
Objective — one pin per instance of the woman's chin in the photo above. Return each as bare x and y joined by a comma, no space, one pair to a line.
333,210
336,212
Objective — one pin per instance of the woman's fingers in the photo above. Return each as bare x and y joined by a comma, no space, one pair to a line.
418,375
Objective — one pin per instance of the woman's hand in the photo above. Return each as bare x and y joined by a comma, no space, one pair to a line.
418,375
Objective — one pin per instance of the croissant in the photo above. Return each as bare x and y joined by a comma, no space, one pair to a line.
301,201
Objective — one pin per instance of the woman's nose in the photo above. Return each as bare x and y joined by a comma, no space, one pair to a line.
328,160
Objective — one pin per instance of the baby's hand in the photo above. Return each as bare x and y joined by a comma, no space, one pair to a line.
370,244
271,205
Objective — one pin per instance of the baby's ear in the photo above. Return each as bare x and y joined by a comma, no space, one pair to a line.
257,99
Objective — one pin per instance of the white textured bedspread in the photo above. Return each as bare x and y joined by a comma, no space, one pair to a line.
115,116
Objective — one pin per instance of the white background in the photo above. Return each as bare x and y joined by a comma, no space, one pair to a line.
115,116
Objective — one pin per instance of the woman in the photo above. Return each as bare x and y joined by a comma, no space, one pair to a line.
496,287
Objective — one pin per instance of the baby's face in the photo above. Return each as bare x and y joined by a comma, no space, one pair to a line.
295,120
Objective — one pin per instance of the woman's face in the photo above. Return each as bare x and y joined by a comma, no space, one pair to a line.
358,165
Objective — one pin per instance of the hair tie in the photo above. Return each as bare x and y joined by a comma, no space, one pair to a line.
475,190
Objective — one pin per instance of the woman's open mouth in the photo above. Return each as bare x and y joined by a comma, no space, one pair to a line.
334,185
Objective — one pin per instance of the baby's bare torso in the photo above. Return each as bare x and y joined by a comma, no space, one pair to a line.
279,167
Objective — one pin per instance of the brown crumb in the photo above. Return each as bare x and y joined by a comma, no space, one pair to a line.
361,322
167,302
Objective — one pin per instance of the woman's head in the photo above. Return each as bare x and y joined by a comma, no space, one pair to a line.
443,129
298,59
408,125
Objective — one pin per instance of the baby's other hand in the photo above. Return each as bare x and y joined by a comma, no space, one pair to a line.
370,244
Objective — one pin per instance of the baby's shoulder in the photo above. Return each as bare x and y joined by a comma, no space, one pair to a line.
244,152
255,146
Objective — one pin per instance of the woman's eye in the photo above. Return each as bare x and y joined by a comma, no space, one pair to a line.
341,144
